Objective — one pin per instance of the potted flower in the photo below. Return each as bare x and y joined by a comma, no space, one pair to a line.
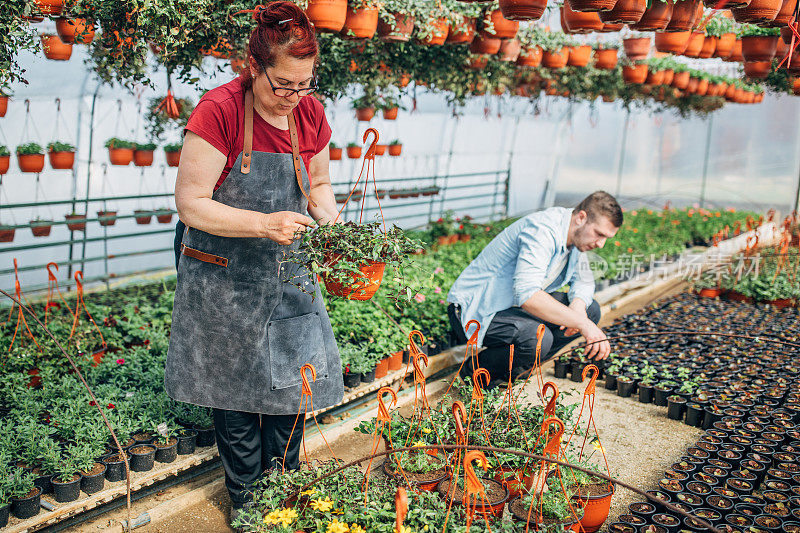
76,222
24,495
54,48
395,147
353,150
120,152
555,53
7,233
589,492
41,228
334,151
30,157
351,259
396,21
143,154
723,28
67,481
164,215
173,153
422,469
552,510
361,21
758,44
441,229
5,159
365,107
107,218
389,106
61,155
143,216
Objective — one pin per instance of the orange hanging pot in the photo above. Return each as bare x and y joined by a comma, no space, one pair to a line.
335,153
143,216
477,62
165,217
30,162
120,156
400,33
680,80
668,75
503,28
54,48
327,16
684,14
365,114
757,69
50,7
107,218
485,44
785,14
709,45
41,228
462,33
695,44
438,30
5,163
143,158
736,52
759,47
362,286
634,73
395,149
724,45
606,58
523,9
656,17
655,77
360,23
580,21
530,57
625,12
702,87
77,30
353,152
672,42
757,11
510,50
3,104
595,509
636,48
591,5
555,59
173,157
62,160
390,113
579,56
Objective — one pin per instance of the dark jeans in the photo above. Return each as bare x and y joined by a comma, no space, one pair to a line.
518,327
250,443
180,227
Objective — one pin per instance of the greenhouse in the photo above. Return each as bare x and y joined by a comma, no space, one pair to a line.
400,266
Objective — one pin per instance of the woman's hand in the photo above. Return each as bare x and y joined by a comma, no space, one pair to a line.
283,226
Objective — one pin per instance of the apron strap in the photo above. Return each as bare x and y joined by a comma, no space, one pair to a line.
247,151
296,161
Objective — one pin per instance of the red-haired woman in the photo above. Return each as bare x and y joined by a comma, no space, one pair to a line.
254,165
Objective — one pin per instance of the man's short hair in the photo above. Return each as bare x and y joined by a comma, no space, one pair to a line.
600,203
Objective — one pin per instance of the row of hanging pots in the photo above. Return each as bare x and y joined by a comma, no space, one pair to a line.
394,149
123,153
365,114
30,157
42,228
58,47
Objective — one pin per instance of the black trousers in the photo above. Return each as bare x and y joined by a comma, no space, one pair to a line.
518,327
250,443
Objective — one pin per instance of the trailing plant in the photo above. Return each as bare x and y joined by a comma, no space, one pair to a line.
173,147
145,147
57,146
114,143
29,149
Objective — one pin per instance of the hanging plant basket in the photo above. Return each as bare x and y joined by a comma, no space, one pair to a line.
172,152
462,33
510,50
656,17
503,28
395,149
709,45
606,58
365,114
684,14
655,77
555,59
75,31
580,21
7,234
785,15
3,105
402,30
736,52
390,113
353,152
30,162
380,149
107,218
637,48
485,44
625,12
361,286
523,9
41,228
530,57
759,47
143,158
327,16
634,73
757,69
360,23
334,152
438,30
757,11
5,163
164,216
51,8
143,216
61,160
579,56
672,42
76,222
695,44
54,48
591,5
725,44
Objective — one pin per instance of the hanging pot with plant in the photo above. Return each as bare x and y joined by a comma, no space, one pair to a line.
485,44
41,228
684,14
173,154
462,30
736,52
327,16
580,21
334,152
30,157
435,31
54,48
579,56
725,44
709,45
75,30
120,152
107,218
51,8
395,27
672,42
495,24
636,48
143,216
61,155
656,17
634,73
365,114
361,21
785,15
625,12
523,9
510,50
3,103
591,5
389,111
759,44
143,154
395,148
530,57
605,58
757,69
353,150
5,159
164,215
695,44
555,59
75,222
757,11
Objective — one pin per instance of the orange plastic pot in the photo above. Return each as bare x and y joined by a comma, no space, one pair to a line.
439,30
725,45
77,30
380,149
503,28
655,17
173,158
362,286
634,73
695,44
530,57
462,33
684,14
759,47
591,5
396,361
41,228
523,9
655,77
580,21
50,7
612,28
672,42
5,162
636,48
680,80
514,480
485,44
30,162
143,158
702,87
335,153
54,48
61,160
382,368
390,114
710,293
403,28
605,59
78,224
709,45
395,149
785,14
142,217
555,58
757,11
164,218
7,234
120,156
691,88
107,218
736,52
757,69
579,56
365,114
327,16
510,50
360,23
595,510
3,105
625,12
353,152
669,74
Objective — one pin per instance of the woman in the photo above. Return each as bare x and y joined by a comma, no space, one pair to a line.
254,161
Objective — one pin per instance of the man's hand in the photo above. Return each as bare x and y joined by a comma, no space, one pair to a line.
598,347
580,307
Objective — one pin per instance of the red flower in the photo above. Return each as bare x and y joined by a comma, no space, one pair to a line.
461,226
92,403
120,361
111,406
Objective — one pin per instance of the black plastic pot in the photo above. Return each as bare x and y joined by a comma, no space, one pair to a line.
675,407
720,503
769,522
187,441
28,506
560,368
642,509
694,414
368,377
91,483
667,520
352,379
168,453
142,457
660,395
43,482
625,387
115,468
205,436
739,521
4,512
611,381
66,492
645,392
710,417
576,371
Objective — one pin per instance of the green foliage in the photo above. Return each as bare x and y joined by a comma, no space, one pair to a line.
173,147
145,147
395,142
57,146
4,150
751,30
29,149
157,121
113,143
718,26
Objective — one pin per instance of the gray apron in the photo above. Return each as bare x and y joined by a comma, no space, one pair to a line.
240,333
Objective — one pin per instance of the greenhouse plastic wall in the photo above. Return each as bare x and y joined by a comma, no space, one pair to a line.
551,152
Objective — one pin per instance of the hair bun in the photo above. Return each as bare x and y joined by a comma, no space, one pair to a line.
276,15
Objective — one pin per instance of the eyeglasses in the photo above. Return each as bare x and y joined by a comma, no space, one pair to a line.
285,92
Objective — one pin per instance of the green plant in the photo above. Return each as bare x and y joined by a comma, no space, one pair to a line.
57,146
443,226
395,142
114,143
751,30
4,150
173,147
29,149
416,462
333,145
353,145
157,121
145,147
718,26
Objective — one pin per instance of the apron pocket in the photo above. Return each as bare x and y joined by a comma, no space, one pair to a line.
293,342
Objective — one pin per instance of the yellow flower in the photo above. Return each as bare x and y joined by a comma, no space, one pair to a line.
322,505
405,529
598,446
426,430
334,526
309,492
337,511
287,516
355,528
272,518
419,443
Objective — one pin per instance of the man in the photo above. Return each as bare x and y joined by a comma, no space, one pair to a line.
511,287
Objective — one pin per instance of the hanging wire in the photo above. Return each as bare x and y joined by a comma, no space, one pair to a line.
28,122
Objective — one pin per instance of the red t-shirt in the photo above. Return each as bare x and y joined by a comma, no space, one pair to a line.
219,119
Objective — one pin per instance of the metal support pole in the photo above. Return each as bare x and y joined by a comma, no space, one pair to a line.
621,162
660,166
89,168
705,162
447,165
74,192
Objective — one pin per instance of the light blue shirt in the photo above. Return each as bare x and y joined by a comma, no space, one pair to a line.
516,264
